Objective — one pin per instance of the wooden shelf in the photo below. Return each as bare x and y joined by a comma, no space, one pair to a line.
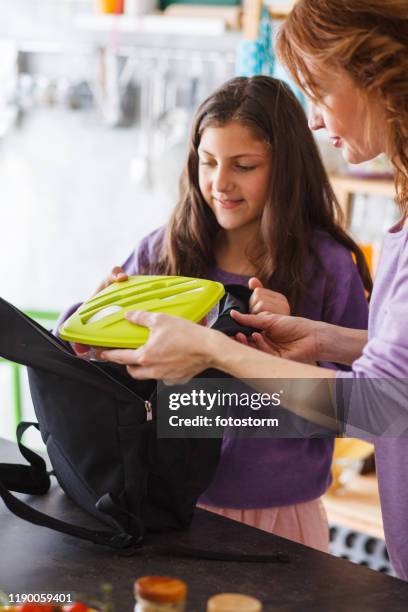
252,14
367,186
280,10
357,506
152,24
346,186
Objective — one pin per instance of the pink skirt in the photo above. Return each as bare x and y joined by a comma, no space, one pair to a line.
304,523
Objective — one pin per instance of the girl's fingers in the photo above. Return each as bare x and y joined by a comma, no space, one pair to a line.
80,349
117,275
254,283
263,306
117,270
117,278
121,276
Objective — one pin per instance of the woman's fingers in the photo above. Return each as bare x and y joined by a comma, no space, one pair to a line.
145,319
261,344
122,356
240,337
140,373
260,321
176,349
256,340
135,357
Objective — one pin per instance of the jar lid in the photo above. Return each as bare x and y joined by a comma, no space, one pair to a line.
233,602
163,589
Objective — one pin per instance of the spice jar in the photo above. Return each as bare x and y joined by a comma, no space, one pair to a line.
160,594
233,602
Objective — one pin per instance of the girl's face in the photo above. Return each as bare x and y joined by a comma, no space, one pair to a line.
234,172
354,125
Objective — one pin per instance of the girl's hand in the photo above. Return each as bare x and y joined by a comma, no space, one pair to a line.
266,300
176,350
81,350
289,337
117,275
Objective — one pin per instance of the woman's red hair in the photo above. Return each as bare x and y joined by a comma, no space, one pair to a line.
368,39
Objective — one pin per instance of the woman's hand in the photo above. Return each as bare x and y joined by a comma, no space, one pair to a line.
266,300
289,337
176,350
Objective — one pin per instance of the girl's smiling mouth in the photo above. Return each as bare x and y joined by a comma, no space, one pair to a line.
228,203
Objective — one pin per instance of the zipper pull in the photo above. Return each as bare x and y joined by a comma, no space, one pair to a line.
149,410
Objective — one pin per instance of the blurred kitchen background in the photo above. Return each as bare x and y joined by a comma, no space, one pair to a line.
95,110
96,100
93,125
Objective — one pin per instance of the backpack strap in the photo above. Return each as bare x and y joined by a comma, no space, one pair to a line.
236,298
34,479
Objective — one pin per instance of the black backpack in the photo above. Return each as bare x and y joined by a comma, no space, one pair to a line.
99,428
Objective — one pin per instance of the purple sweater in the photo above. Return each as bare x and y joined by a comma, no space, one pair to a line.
261,473
386,356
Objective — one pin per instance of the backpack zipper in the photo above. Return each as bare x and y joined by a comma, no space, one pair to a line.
149,410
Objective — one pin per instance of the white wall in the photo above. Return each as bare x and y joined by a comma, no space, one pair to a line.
69,211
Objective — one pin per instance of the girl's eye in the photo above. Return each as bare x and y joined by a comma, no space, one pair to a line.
245,168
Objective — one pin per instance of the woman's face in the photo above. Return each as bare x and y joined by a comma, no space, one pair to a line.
234,172
354,124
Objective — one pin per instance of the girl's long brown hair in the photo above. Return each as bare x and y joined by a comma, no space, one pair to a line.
300,200
369,40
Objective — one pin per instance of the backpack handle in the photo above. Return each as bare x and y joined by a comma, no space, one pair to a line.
34,479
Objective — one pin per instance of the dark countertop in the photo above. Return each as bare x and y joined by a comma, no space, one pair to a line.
37,560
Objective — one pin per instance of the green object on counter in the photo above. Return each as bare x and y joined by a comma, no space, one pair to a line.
165,3
101,320
16,393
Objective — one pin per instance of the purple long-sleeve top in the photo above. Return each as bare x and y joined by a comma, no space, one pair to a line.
260,473
380,381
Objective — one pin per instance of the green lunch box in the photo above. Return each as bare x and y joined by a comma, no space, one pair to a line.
100,321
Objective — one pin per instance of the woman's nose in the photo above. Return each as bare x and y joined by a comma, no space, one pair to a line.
316,121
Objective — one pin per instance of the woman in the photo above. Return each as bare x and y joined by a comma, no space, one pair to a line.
351,58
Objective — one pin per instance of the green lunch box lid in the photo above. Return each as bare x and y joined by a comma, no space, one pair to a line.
100,320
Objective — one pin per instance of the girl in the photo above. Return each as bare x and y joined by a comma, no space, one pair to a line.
351,58
256,207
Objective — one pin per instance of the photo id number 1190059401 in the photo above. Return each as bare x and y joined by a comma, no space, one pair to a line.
37,600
